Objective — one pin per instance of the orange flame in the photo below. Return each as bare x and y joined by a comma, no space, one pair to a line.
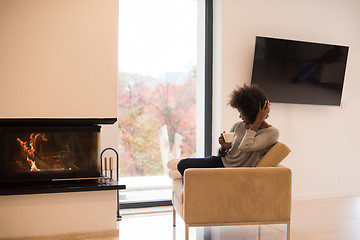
33,165
29,148
32,152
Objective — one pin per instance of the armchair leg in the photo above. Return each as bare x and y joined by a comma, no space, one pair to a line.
173,209
259,232
288,231
174,216
186,231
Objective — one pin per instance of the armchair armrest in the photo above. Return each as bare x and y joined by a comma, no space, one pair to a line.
237,195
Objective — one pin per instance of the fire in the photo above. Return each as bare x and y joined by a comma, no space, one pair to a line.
32,154
33,165
29,148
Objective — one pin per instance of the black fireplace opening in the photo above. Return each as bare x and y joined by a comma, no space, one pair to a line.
49,151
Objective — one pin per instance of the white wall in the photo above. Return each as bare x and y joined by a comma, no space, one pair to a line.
323,139
58,58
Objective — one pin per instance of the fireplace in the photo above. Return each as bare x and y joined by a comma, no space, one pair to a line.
40,156
33,150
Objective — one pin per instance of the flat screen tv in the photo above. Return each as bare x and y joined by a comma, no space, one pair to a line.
299,72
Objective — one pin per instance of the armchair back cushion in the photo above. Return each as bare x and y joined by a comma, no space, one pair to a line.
274,156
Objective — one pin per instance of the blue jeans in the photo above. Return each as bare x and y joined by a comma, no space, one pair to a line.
207,162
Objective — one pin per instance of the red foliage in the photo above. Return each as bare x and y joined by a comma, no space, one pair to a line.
161,103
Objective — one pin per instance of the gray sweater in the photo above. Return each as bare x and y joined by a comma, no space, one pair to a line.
249,146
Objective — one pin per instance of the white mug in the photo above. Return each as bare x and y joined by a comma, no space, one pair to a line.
229,137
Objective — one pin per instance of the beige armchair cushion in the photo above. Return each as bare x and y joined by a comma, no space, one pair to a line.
274,156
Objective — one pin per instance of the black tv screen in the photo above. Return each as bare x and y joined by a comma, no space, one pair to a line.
299,72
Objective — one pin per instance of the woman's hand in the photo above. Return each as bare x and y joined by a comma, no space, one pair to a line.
224,145
261,116
263,112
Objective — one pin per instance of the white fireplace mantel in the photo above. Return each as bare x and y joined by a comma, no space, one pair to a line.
49,216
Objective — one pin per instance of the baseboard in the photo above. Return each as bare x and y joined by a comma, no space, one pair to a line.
72,236
323,197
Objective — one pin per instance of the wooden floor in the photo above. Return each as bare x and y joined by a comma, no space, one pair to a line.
330,219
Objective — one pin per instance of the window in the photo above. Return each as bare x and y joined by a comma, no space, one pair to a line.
160,92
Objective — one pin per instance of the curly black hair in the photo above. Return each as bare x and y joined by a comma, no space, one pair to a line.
246,100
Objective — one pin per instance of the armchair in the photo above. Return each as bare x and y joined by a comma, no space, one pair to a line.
236,196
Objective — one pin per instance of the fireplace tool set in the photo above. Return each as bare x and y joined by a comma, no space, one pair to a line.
108,172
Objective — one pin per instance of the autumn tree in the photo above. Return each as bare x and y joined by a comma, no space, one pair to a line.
145,105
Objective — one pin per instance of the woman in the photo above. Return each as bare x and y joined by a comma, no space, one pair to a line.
253,136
